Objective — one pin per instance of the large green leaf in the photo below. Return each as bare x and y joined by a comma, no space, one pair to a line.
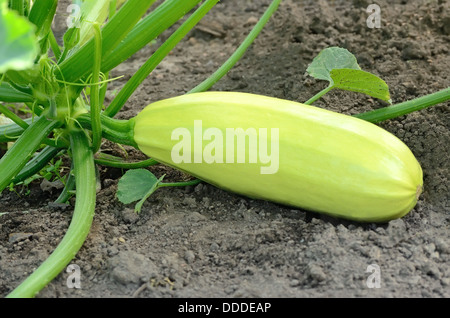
19,45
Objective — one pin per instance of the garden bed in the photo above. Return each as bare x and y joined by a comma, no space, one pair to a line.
204,242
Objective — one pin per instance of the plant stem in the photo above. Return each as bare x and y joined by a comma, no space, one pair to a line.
318,95
96,107
19,121
36,164
237,55
83,160
22,150
180,184
156,58
159,184
118,131
114,162
407,107
67,192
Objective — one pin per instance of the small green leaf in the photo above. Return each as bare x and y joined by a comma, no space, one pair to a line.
330,59
361,82
19,45
155,187
135,185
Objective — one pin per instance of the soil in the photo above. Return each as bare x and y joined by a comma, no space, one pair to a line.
204,242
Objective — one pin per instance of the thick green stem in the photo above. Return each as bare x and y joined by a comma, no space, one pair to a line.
96,107
118,131
20,153
104,87
407,107
237,55
83,160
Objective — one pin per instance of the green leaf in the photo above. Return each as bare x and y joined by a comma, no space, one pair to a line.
136,185
19,45
330,59
361,82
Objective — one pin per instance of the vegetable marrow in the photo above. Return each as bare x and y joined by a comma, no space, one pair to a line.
283,151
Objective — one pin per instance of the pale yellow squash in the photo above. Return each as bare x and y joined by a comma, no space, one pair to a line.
327,162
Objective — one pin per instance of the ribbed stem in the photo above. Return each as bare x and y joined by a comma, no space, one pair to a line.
96,108
118,131
84,168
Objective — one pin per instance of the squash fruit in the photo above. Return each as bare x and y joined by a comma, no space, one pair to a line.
327,162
